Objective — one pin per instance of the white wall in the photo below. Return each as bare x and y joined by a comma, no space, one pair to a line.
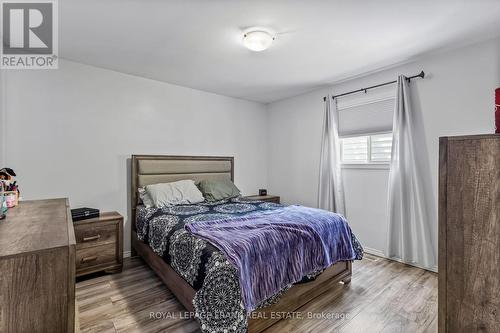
456,98
70,132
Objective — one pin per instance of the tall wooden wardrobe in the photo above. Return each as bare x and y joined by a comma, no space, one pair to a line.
469,234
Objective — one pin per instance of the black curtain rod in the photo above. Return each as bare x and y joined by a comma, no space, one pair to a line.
421,75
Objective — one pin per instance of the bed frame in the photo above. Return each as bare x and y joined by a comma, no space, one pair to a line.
150,169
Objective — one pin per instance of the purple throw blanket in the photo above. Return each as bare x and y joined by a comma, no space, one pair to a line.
274,249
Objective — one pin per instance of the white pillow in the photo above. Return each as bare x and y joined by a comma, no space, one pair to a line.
145,198
177,193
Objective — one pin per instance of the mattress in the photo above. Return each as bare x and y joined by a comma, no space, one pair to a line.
162,229
201,264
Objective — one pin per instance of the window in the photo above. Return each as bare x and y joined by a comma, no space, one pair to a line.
355,149
380,147
365,129
366,149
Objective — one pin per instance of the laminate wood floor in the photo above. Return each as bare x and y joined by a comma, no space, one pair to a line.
384,296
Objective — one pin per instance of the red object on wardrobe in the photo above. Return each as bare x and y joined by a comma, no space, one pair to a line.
497,110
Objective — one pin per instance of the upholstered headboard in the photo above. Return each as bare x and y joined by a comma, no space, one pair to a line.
152,169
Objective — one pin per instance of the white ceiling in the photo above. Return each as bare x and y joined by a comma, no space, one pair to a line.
198,43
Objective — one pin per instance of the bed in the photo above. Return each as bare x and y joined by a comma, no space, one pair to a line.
195,277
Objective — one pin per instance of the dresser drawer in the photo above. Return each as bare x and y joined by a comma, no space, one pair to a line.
95,256
88,235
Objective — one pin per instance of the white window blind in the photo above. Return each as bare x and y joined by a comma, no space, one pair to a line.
367,149
355,150
371,117
380,147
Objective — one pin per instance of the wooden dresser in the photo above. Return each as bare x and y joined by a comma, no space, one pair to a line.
37,268
469,234
99,244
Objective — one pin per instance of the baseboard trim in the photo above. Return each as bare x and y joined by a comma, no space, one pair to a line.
127,254
375,252
381,254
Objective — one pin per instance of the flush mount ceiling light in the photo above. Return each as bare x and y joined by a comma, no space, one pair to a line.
257,40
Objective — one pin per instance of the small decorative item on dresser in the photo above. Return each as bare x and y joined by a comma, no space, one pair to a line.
99,244
11,198
267,198
262,191
3,204
84,213
10,190
497,110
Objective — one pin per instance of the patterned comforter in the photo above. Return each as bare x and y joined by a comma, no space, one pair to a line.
218,300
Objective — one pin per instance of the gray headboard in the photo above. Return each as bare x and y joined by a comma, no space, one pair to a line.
152,169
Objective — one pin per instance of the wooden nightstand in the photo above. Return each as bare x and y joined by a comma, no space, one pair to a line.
99,244
268,198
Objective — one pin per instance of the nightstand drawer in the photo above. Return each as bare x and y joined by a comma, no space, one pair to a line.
97,255
273,199
88,235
